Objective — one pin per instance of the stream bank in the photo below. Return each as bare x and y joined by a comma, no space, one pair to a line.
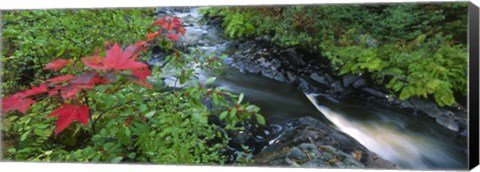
281,82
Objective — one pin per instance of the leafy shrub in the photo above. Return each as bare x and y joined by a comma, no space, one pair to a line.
127,115
414,49
31,39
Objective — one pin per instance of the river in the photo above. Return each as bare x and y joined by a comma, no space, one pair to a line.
397,136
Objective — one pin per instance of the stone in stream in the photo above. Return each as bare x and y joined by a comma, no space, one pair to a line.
449,123
349,80
426,107
321,80
374,92
312,143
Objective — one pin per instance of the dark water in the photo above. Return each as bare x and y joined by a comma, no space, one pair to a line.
394,135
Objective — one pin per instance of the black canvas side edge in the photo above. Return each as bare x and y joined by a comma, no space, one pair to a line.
473,106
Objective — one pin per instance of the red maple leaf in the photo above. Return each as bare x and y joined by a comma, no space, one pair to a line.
60,79
35,90
176,22
94,62
141,73
20,101
120,60
172,36
153,35
159,22
57,64
135,49
181,30
16,101
83,81
67,113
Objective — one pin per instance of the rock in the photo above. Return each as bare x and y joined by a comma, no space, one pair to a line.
303,84
337,87
359,83
291,77
449,123
425,107
322,80
253,68
293,58
279,77
349,80
374,92
313,143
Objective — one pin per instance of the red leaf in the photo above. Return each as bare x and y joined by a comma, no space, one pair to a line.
141,73
57,64
98,80
67,113
35,90
153,35
181,30
54,91
160,22
69,91
120,60
94,62
16,102
60,79
135,49
176,22
172,36
171,26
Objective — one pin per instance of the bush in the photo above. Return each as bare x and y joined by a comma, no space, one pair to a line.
395,42
128,113
31,39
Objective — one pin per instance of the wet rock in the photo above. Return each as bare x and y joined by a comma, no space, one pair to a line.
449,123
303,84
374,92
279,77
322,80
291,77
349,80
359,83
425,107
313,143
337,87
293,58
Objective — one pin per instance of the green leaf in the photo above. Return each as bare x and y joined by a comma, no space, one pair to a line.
210,80
260,119
116,160
223,115
24,135
150,114
233,112
12,150
240,98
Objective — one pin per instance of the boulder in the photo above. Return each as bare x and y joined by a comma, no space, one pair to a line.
425,107
447,122
293,58
374,92
313,143
349,80
321,80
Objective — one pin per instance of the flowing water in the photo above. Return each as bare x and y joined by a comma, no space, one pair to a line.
394,135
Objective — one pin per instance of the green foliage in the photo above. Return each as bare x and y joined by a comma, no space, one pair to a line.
33,38
128,122
414,49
